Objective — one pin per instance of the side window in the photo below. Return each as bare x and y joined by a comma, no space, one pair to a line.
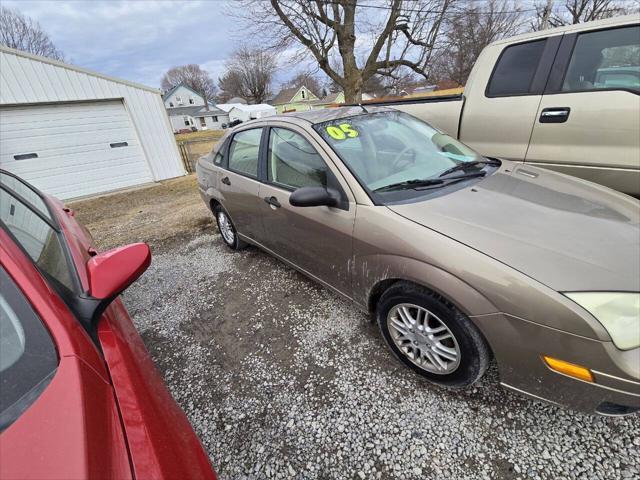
244,152
28,356
605,59
26,192
293,161
41,242
515,69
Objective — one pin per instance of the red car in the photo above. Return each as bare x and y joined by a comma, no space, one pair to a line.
79,395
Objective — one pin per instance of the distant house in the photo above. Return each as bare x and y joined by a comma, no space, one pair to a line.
294,99
182,96
197,118
187,110
330,99
335,99
240,111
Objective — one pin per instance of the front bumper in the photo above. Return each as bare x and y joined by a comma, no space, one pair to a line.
519,344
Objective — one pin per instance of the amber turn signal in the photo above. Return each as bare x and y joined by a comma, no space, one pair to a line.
570,369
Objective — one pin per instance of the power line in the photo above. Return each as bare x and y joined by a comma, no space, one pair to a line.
435,12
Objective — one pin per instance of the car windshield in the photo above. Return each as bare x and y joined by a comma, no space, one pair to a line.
389,148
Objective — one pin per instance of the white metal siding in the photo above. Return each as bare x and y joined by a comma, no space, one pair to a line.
73,143
28,79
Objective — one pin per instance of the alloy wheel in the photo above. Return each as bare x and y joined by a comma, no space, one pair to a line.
423,338
226,229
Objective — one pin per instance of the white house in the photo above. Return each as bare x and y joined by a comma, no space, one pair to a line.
182,96
239,111
187,110
73,132
196,118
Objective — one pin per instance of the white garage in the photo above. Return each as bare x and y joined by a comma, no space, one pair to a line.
74,133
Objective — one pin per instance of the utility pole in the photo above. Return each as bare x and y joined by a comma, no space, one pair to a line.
547,14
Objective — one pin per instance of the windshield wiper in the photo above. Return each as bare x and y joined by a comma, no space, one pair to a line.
420,184
465,165
416,182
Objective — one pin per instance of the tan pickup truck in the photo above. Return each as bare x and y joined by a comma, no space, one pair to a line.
567,99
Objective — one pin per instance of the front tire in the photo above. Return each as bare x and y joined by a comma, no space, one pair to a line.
227,229
431,337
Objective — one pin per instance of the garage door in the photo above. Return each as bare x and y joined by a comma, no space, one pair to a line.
71,150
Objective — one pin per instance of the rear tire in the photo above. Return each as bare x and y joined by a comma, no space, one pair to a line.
432,337
227,229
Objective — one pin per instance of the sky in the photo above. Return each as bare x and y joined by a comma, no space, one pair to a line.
137,40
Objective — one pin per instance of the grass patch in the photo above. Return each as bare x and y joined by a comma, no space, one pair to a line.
213,135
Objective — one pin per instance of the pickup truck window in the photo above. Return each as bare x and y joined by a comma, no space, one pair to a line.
605,59
515,69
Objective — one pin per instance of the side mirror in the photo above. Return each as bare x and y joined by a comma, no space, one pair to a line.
314,197
110,273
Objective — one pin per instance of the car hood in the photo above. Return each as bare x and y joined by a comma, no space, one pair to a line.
566,233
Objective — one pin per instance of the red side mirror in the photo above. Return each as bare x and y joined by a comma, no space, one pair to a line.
110,273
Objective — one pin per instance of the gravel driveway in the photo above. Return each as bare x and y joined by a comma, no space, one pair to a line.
283,379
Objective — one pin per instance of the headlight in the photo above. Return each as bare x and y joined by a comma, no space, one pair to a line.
618,312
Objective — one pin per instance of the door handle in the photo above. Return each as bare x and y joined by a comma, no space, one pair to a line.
555,115
273,201
226,181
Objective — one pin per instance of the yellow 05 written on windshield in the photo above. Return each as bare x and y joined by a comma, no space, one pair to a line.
342,131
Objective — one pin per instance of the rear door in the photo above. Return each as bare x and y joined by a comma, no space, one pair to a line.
588,122
498,117
238,182
317,240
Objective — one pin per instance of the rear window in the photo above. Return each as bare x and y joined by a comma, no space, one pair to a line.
605,59
28,357
515,69
244,152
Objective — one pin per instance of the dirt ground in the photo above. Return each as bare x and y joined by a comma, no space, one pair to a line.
282,379
162,215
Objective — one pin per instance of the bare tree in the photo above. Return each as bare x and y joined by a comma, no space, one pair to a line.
22,33
369,38
253,68
576,11
194,77
230,85
308,79
469,30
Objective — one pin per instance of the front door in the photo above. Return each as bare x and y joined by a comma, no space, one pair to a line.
317,240
588,124
239,185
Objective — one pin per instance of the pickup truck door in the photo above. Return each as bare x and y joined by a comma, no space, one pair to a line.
503,93
588,122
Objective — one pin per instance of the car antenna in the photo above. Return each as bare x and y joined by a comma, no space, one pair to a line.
363,109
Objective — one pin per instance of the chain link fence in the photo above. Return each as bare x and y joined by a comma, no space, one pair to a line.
192,150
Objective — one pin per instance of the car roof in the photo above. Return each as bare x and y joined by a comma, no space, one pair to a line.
621,21
327,114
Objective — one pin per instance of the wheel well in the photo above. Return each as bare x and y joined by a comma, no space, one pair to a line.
378,290
213,204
